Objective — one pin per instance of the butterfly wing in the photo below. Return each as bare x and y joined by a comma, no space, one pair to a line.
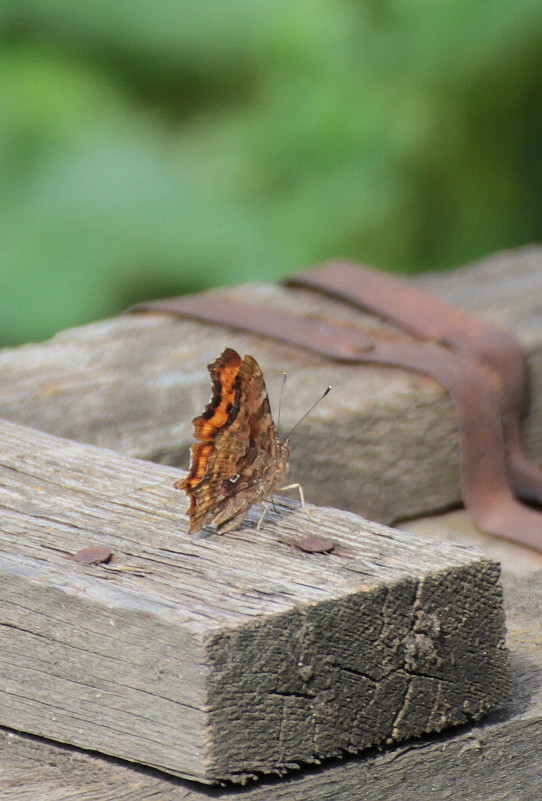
237,458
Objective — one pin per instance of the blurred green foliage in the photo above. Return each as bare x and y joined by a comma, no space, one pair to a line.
148,149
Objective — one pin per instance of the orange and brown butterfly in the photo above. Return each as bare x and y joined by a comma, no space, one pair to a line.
237,459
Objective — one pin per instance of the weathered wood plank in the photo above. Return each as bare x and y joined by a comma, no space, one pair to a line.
220,657
499,759
457,526
384,443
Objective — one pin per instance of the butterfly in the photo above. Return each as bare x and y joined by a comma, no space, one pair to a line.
237,459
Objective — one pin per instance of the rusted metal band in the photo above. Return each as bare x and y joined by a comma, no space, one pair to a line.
429,317
483,470
333,341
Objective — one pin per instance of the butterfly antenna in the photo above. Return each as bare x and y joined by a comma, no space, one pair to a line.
316,402
284,377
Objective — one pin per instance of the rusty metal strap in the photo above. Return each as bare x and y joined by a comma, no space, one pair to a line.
475,392
429,317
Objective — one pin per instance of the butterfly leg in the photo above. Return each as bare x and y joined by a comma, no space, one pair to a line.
299,488
263,515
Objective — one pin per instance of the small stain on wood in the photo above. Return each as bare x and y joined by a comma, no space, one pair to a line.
316,545
93,556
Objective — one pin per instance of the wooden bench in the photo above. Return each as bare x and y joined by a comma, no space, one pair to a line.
194,618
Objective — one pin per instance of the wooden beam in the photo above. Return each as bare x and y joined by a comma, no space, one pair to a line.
499,759
224,657
458,527
384,443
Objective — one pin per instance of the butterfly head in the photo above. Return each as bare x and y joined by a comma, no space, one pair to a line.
285,448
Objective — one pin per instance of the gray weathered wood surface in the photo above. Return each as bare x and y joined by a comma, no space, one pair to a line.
457,526
225,656
383,444
497,760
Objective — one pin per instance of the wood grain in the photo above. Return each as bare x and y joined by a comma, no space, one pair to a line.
499,759
384,443
223,657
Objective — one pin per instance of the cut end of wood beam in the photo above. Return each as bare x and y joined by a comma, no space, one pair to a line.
388,662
